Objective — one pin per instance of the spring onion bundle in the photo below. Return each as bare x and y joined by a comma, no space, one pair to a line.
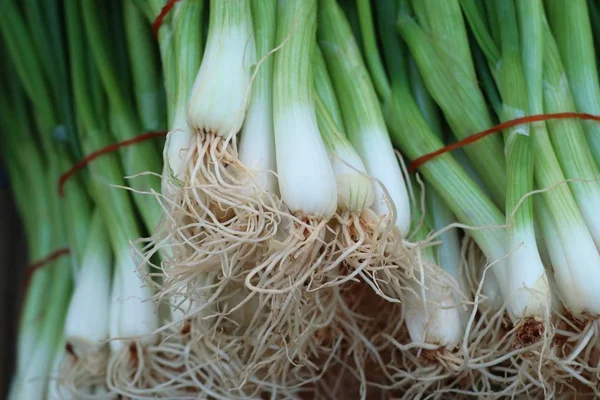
280,248
366,128
134,319
51,302
448,252
528,289
537,300
362,133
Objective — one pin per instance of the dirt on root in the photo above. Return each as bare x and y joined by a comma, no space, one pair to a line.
530,332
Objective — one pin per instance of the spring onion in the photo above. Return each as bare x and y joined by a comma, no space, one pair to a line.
257,144
527,291
364,121
572,31
442,54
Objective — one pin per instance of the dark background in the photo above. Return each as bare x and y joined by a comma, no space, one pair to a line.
13,261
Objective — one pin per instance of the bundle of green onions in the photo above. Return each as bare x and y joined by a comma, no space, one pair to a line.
281,248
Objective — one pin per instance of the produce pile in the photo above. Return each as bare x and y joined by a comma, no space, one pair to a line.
305,199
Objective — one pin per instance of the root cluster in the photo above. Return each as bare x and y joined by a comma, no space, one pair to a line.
263,303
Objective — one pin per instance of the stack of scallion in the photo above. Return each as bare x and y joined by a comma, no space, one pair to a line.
276,244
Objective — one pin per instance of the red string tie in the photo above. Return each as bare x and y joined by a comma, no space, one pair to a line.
500,127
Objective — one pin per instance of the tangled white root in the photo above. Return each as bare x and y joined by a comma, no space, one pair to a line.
217,220
282,321
78,376
307,280
269,303
536,358
176,369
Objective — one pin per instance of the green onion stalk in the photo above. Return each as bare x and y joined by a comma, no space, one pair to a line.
594,10
133,319
547,172
84,364
431,308
574,279
363,119
138,161
363,236
257,144
181,44
44,21
574,33
566,222
283,276
355,190
219,203
515,59
572,29
576,244
181,47
577,163
44,45
491,92
298,280
422,49
219,209
448,253
433,304
411,133
166,43
147,80
372,195
438,42
527,289
388,271
78,209
69,218
27,173
301,154
368,132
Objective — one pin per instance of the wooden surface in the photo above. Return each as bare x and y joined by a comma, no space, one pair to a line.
12,267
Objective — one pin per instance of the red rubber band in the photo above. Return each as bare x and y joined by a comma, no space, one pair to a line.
108,149
44,262
161,17
500,127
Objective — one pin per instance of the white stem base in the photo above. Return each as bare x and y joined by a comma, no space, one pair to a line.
138,316
527,290
433,315
306,180
376,152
